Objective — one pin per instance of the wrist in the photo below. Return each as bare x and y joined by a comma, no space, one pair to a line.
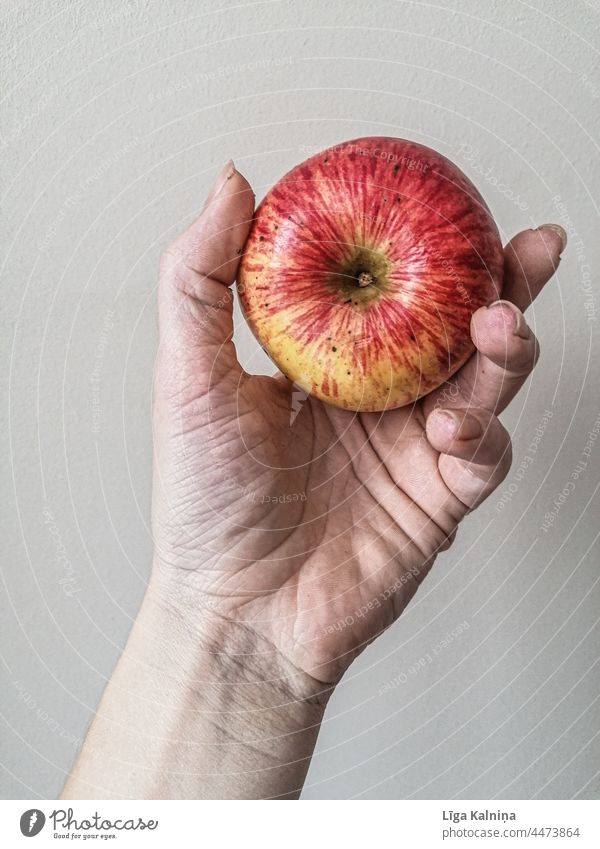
241,664
198,707
253,716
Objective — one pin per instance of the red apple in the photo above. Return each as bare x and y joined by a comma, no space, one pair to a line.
363,268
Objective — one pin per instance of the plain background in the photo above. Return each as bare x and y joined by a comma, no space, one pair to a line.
116,117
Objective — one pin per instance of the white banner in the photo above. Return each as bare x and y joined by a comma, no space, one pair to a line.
298,825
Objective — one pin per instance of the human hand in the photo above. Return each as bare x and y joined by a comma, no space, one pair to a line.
283,519
288,534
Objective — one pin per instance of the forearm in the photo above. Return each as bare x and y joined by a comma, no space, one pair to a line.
198,709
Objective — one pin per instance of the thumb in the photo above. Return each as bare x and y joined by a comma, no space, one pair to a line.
195,304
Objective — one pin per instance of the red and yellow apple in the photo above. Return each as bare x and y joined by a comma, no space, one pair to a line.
363,268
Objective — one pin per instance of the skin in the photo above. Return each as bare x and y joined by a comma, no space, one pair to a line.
363,268
241,636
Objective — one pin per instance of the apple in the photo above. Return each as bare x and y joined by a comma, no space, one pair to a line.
362,270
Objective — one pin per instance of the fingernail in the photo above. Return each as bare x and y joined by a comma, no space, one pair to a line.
556,228
224,175
512,316
460,426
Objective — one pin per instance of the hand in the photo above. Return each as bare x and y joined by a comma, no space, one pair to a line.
288,534
301,525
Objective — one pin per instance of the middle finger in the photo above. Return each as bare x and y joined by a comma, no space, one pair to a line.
507,351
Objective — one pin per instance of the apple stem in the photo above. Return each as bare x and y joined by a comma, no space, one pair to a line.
365,279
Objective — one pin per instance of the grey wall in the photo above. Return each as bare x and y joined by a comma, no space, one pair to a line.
115,118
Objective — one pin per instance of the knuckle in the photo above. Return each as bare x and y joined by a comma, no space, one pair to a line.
504,461
507,457
495,447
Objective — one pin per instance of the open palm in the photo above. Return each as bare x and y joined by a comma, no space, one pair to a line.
310,525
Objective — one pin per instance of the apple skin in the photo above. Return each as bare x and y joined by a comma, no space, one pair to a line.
405,222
